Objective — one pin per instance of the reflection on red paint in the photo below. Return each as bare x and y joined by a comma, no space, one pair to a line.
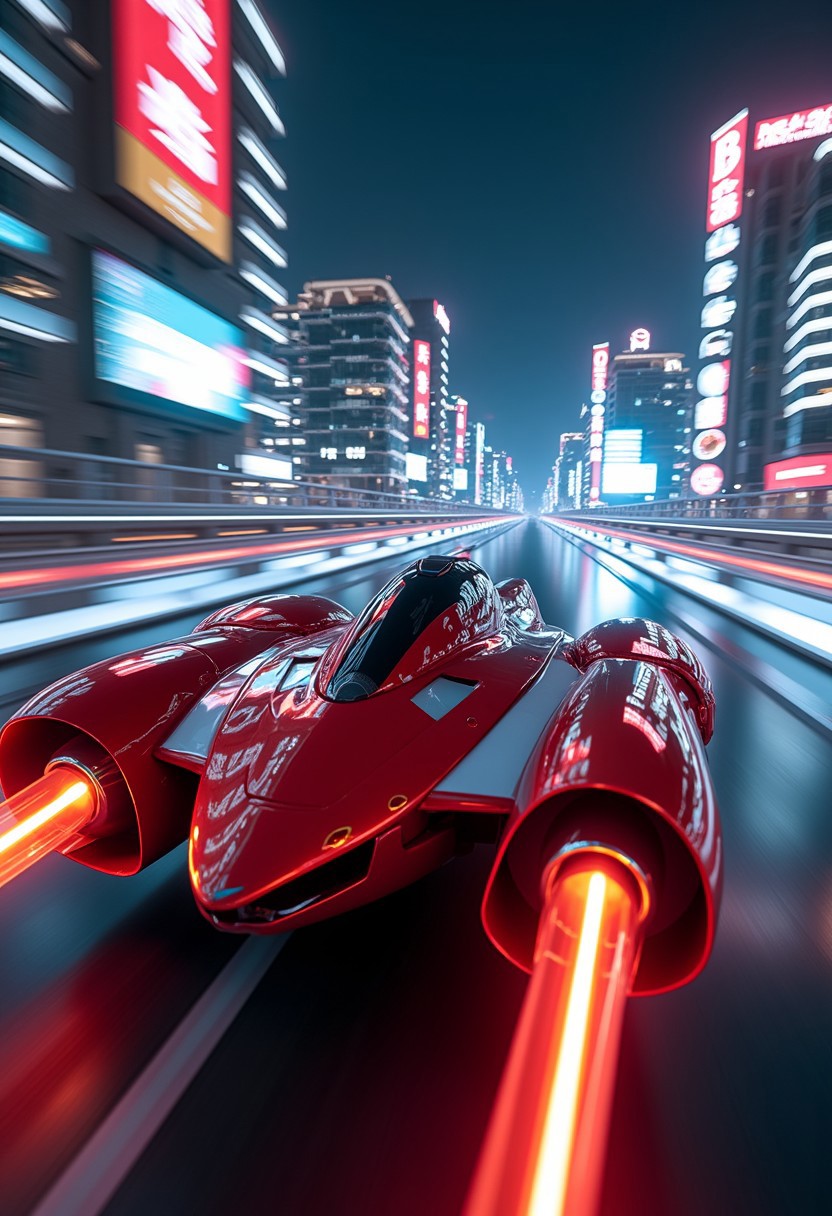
544,1151
634,717
43,816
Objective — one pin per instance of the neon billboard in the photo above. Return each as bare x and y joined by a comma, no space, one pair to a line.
598,397
172,100
441,316
791,128
152,340
461,427
421,389
799,472
726,171
726,174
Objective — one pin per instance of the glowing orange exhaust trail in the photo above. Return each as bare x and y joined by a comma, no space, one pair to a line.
43,816
544,1151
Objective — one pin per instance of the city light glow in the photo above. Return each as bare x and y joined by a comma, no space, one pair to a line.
21,152
23,70
261,198
260,95
261,156
260,281
821,250
254,234
264,34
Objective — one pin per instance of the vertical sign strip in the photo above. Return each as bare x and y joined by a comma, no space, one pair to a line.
421,389
172,96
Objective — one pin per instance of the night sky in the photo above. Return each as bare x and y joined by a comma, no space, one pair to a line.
538,167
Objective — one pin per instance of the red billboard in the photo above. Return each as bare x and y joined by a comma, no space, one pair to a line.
726,171
461,427
172,99
600,369
799,472
421,389
790,128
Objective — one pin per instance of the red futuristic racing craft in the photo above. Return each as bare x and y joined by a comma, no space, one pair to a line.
316,761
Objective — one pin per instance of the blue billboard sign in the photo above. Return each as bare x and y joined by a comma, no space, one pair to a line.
155,341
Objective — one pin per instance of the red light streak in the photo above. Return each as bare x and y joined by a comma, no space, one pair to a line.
812,578
544,1150
43,816
20,579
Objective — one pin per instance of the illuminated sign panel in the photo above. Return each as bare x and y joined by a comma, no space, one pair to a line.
479,461
441,316
799,472
790,128
416,467
155,341
598,396
725,175
460,479
461,425
640,339
421,389
707,479
265,466
725,193
629,477
17,235
172,98
623,444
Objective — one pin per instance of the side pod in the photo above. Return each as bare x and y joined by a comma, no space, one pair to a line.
620,770
106,721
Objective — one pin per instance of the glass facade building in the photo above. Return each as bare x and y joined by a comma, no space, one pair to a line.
350,368
103,172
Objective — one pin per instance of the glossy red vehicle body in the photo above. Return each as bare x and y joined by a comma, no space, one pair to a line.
308,787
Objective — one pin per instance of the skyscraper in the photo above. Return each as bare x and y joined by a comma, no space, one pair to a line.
139,191
351,368
764,415
647,424
431,437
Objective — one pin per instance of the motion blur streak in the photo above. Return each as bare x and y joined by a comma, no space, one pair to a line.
21,579
41,817
544,1151
812,578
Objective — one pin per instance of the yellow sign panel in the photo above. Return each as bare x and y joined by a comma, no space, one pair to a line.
148,177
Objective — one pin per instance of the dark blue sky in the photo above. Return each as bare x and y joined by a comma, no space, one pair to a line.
538,167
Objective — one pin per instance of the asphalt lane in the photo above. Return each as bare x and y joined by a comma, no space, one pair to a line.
358,1078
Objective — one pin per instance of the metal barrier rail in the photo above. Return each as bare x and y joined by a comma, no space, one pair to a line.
798,541
36,474
812,504
777,554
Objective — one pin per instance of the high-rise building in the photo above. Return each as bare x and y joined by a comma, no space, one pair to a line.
764,412
568,471
139,230
431,436
647,427
457,414
351,371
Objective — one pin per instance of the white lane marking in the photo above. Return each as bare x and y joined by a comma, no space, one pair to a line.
92,1178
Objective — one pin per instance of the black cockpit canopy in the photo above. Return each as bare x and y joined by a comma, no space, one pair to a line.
455,589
